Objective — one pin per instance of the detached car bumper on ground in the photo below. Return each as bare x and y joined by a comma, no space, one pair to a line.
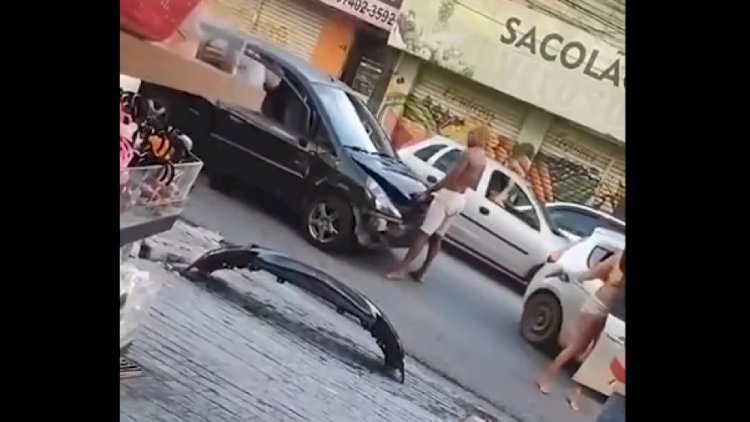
313,281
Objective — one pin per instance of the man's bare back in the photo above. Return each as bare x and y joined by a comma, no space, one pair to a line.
468,170
448,200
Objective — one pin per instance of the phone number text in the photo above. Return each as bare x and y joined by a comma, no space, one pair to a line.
371,10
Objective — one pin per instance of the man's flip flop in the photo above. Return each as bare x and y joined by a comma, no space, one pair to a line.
543,389
414,276
573,404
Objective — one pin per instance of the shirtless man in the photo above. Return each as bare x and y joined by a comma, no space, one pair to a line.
448,200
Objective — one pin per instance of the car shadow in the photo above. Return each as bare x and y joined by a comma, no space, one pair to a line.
486,269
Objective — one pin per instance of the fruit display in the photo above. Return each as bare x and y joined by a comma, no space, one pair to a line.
499,148
570,182
541,182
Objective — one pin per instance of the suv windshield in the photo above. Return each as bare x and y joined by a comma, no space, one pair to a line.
355,126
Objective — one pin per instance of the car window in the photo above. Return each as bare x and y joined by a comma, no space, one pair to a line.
575,222
508,195
352,122
614,226
427,152
323,139
598,254
448,160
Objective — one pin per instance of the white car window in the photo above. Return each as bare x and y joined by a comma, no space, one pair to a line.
508,195
427,152
599,254
579,223
447,160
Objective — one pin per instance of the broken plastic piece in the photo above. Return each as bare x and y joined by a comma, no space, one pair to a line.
343,298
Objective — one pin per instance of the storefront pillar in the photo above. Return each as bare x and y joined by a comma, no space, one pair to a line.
400,85
534,128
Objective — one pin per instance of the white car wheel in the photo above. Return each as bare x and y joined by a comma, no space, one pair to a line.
541,319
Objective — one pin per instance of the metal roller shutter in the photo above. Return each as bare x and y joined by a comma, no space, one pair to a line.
291,24
581,167
239,13
453,101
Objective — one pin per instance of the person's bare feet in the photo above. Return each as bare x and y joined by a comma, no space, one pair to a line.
543,386
417,276
572,398
395,275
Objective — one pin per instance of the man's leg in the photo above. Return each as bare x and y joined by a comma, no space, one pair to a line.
399,271
435,241
433,220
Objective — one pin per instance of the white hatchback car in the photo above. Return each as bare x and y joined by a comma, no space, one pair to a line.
552,302
502,224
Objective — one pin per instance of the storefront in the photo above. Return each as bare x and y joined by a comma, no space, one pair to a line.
346,39
543,87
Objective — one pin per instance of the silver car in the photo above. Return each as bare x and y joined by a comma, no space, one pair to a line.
502,224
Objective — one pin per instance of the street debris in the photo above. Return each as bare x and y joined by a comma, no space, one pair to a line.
315,282
239,346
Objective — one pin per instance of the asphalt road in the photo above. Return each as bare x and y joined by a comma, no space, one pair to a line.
463,322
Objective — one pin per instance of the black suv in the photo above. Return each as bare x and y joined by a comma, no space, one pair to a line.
314,144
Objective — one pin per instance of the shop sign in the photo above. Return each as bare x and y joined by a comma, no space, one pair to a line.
515,50
380,13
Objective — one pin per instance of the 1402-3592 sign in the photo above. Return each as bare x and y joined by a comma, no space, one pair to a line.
375,12
571,55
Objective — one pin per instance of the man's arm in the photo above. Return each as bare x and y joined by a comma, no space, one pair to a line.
600,270
463,162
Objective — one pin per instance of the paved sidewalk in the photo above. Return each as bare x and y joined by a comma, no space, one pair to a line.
243,347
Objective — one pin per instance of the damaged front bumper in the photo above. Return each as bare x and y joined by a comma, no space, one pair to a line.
374,229
315,282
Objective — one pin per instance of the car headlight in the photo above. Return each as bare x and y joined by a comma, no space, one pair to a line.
380,198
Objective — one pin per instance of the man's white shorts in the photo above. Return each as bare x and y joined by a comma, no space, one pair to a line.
445,206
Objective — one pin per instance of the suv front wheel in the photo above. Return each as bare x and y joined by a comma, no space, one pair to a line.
328,223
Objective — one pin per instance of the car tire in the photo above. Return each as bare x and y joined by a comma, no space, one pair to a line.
323,213
541,320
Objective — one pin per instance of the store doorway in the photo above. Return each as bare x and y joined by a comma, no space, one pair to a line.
367,60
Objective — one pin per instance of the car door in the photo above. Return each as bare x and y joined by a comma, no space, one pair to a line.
580,257
594,372
499,233
421,159
269,153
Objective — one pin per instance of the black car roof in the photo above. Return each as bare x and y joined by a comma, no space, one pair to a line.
302,67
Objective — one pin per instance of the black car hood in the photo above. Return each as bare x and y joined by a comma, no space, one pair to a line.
396,179
315,282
